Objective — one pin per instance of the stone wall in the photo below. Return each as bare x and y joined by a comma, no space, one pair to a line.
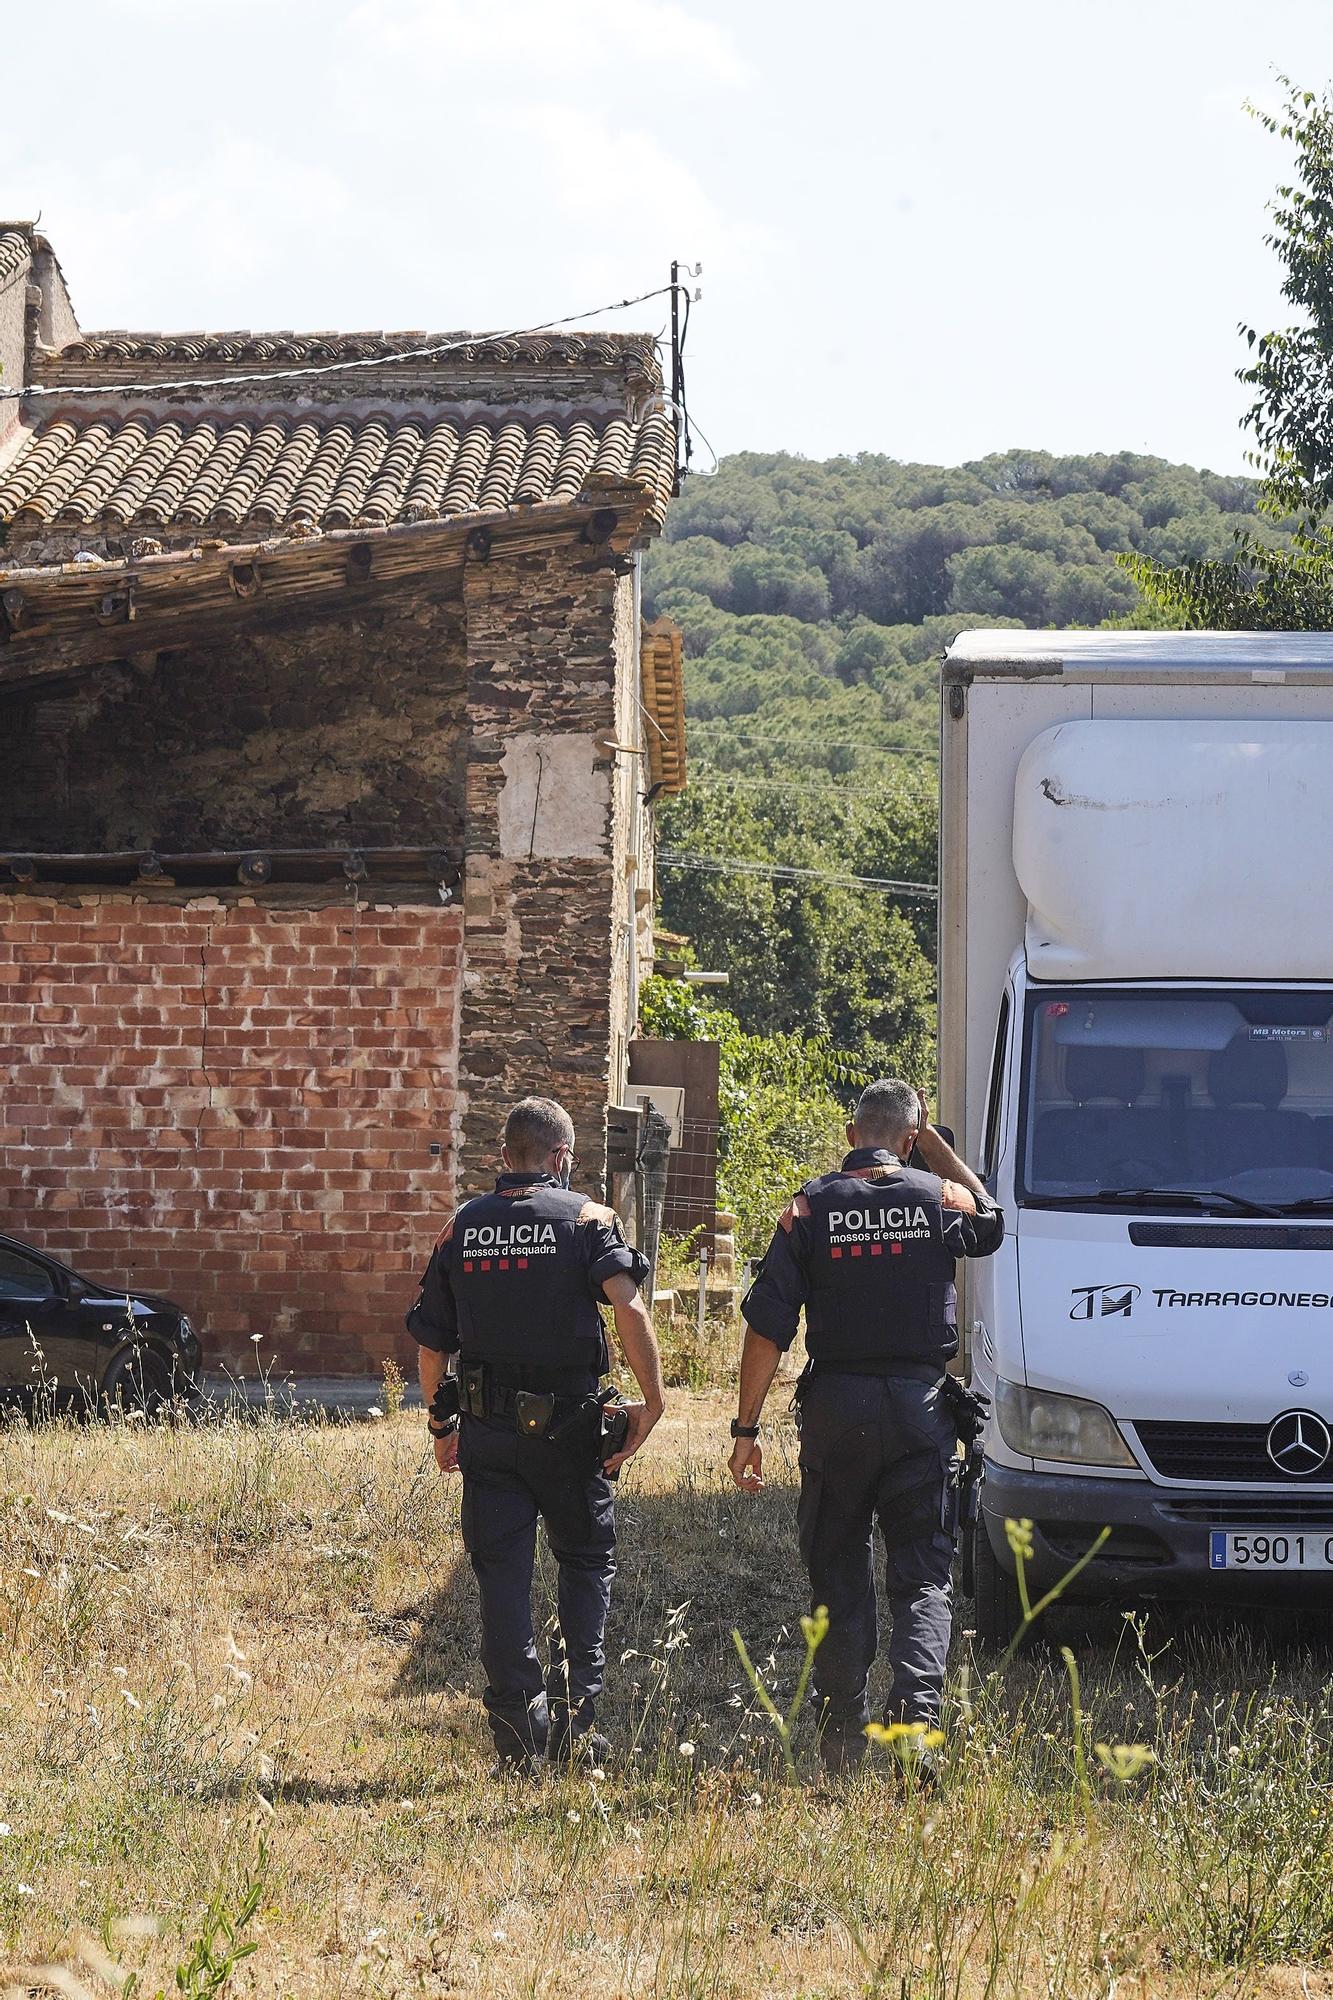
328,732
15,282
235,1106
629,833
539,884
232,1100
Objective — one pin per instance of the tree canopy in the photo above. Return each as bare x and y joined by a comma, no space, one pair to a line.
1267,582
816,600
816,597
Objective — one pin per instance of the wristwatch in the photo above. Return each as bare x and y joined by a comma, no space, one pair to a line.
739,1430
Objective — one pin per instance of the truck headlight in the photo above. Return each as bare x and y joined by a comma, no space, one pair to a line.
1041,1424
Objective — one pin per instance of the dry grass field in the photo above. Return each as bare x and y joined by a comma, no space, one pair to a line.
242,1711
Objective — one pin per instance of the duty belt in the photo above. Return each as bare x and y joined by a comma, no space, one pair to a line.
929,1372
536,1412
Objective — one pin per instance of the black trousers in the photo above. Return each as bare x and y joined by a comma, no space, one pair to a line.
509,1482
877,1449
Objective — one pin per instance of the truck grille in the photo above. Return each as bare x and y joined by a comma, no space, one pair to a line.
1073,1539
1230,1236
1251,1510
1210,1451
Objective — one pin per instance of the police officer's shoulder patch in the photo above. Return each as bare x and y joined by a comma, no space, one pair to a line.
797,1210
447,1233
954,1195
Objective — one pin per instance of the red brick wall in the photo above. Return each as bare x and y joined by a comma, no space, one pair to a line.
234,1105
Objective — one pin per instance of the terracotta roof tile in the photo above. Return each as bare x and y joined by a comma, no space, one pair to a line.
545,350
211,476
166,497
232,505
576,457
536,478
369,446
320,477
128,498
29,469
15,254
388,486
274,496
286,472
69,471
577,370
431,473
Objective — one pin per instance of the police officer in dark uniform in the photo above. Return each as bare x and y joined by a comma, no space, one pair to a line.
869,1252
512,1355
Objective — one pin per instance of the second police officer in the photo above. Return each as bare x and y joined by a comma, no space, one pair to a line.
868,1252
512,1291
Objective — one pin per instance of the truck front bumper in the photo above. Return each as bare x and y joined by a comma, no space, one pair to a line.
1160,1537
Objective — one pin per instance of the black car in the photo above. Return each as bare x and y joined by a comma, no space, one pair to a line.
67,1342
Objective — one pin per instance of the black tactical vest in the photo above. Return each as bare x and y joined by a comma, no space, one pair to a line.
881,1282
521,1272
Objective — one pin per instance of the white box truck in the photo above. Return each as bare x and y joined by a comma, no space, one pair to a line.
1136,1049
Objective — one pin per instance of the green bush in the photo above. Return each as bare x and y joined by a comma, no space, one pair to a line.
782,1103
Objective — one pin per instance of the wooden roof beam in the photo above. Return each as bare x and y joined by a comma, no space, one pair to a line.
55,622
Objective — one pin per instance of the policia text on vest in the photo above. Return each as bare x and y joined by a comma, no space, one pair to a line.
868,1253
512,1352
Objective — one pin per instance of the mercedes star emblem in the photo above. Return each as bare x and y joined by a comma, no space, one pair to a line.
1299,1443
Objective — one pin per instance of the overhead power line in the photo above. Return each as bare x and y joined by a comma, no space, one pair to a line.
715,864
812,741
847,791
232,381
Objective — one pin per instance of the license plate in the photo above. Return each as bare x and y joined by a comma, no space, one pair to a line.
1277,1548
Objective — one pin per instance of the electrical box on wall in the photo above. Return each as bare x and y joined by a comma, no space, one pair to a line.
624,1128
666,1099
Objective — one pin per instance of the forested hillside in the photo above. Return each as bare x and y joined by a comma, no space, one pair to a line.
816,599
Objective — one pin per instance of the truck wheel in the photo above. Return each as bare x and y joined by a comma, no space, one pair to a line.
998,1612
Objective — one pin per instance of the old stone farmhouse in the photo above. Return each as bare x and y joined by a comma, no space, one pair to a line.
331,742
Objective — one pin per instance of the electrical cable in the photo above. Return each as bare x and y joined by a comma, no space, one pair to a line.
105,389
697,430
849,792
678,386
714,864
811,741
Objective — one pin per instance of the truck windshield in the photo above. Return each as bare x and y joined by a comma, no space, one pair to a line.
1174,1089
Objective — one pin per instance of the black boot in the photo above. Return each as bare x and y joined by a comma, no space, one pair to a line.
572,1739
524,1768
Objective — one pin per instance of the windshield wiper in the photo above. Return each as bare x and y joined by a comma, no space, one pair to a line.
1189,1197
1310,1204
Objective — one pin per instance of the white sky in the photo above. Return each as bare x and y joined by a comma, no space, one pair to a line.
927,230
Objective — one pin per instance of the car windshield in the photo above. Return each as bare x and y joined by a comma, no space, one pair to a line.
1178,1092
